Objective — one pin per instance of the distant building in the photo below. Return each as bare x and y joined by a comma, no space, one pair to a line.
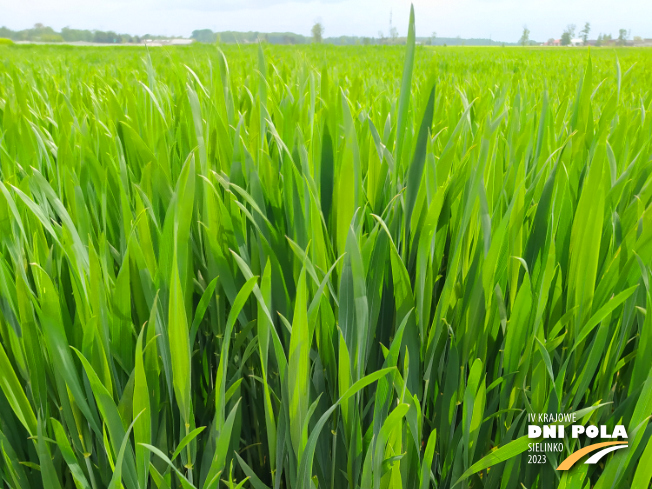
577,42
553,42
168,42
180,42
642,43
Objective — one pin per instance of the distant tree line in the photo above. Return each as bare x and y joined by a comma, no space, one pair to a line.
41,33
603,39
210,37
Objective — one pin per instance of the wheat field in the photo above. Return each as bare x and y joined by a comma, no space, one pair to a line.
322,267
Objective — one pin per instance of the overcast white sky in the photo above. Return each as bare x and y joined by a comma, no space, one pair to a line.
501,20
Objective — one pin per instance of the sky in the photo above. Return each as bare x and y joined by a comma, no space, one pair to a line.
501,20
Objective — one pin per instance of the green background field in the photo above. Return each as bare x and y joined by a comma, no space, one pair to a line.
332,267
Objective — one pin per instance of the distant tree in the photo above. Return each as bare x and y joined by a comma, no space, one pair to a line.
584,33
6,33
42,33
525,37
76,35
638,39
204,35
567,36
551,41
433,36
393,31
108,37
100,37
317,32
599,40
68,34
623,35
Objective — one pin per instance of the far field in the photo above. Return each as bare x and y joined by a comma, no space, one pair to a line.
328,267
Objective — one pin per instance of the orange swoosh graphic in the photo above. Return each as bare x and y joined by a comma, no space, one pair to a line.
574,457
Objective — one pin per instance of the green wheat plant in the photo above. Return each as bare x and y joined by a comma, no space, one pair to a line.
322,267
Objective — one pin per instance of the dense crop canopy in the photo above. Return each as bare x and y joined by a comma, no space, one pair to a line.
321,267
